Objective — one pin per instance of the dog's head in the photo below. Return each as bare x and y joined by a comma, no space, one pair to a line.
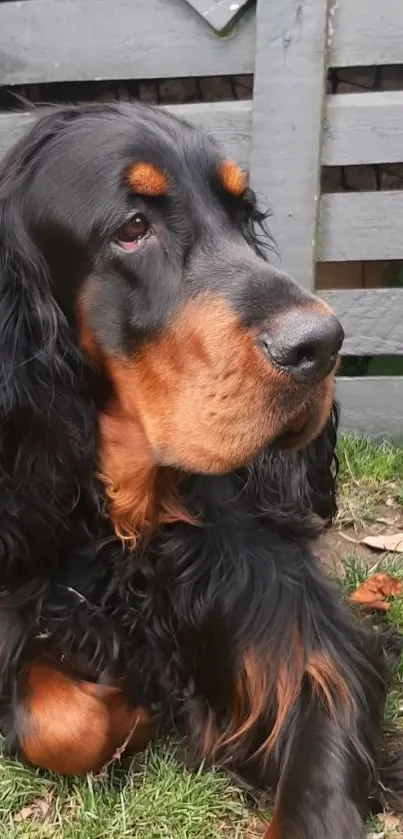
127,237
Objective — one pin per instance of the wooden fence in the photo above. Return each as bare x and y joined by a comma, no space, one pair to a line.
285,133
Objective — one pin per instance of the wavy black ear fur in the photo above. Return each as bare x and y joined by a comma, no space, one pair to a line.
296,490
46,416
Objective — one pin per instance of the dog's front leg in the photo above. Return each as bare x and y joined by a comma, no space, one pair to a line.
323,784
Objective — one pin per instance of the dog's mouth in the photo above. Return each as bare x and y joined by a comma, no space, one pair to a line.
309,420
295,430
297,425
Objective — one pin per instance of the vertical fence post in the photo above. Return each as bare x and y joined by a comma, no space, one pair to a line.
288,104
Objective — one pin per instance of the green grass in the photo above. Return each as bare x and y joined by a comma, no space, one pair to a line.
155,797
370,475
355,572
370,482
372,463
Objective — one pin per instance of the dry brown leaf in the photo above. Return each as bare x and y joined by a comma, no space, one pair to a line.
389,821
387,542
38,810
372,593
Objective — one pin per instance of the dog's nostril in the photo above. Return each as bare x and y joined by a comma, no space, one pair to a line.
305,353
304,343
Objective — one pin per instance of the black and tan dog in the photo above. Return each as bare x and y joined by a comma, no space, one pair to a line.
166,458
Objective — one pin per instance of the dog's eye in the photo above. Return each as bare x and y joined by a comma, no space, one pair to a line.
132,232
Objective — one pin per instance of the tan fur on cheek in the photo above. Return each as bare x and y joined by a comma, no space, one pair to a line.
141,496
85,337
141,493
202,409
191,404
128,473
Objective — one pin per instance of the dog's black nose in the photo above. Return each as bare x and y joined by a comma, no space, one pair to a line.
304,343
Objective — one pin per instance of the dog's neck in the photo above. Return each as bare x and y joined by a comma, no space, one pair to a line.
284,492
141,495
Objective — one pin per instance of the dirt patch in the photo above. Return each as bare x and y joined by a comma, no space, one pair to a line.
255,828
344,541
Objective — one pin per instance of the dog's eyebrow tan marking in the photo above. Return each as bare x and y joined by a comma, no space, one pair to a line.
232,178
146,179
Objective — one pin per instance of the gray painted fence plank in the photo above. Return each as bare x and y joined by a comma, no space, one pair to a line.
47,41
286,123
361,225
218,13
363,128
360,128
228,121
366,32
372,320
372,405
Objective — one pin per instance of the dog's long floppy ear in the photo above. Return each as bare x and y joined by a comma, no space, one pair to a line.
46,417
298,489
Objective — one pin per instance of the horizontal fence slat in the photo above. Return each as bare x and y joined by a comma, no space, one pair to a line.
360,128
47,41
372,405
363,128
228,121
361,225
366,32
372,320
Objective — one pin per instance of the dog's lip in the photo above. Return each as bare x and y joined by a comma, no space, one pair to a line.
294,429
298,423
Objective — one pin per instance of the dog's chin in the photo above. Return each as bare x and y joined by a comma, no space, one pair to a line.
287,428
302,429
294,435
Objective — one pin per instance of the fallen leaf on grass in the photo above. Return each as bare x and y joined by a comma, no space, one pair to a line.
389,821
38,810
388,542
372,593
